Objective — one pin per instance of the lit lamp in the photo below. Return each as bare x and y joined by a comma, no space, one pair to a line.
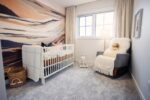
105,36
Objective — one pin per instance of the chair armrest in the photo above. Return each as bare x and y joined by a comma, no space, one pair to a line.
122,60
99,53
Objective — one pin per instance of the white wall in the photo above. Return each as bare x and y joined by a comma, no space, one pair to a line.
53,5
96,6
89,47
141,51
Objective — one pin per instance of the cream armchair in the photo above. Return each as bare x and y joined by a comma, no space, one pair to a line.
115,60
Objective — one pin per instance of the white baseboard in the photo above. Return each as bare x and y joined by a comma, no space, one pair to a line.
138,88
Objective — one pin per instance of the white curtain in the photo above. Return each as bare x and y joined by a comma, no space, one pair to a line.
123,19
70,24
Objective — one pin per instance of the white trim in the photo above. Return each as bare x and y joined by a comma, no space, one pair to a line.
138,88
92,38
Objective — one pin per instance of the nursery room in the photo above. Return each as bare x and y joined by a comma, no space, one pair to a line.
74,50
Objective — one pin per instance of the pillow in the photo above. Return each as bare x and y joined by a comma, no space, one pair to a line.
124,43
115,46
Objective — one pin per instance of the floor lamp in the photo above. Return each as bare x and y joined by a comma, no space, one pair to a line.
105,37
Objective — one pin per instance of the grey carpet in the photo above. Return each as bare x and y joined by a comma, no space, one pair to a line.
77,84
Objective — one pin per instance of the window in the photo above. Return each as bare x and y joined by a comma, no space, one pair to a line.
96,25
86,26
104,24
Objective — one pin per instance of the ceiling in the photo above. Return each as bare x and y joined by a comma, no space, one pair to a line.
66,3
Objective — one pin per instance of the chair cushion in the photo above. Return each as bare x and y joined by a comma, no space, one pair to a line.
104,64
111,53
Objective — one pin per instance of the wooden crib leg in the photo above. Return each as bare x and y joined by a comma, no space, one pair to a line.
43,81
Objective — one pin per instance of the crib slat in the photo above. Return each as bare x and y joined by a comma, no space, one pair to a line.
48,69
55,63
44,72
48,65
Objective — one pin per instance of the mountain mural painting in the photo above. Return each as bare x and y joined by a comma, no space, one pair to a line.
28,22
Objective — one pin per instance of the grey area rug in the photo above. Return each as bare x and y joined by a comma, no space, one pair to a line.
76,83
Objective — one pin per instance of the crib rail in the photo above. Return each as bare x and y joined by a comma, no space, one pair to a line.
56,59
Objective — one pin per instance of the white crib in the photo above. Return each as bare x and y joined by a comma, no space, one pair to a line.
43,62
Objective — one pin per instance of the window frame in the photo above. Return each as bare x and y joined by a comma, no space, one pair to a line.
94,36
79,26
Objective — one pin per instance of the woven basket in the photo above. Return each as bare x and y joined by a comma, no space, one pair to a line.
7,70
17,77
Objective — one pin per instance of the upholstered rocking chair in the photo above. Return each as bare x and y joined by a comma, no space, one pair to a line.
115,60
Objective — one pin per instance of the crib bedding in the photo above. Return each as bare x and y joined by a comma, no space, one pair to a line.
52,60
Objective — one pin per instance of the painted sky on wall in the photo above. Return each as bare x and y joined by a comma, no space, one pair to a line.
29,21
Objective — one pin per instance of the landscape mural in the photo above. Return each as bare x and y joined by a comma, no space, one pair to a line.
27,22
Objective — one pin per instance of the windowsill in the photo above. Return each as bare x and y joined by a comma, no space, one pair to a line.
92,38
